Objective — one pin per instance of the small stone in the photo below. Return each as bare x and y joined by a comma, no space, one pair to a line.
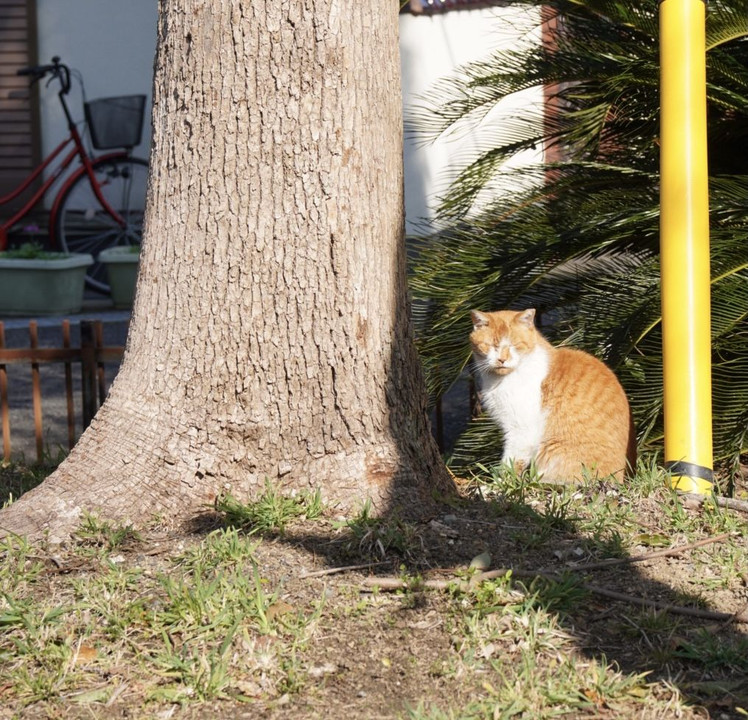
481,562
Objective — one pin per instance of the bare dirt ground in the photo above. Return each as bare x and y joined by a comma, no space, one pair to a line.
324,642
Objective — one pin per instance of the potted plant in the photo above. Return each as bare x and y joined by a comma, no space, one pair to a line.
34,281
122,270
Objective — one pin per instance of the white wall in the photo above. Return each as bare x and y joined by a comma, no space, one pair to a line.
431,47
111,42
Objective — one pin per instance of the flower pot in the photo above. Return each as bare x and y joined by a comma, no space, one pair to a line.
122,270
48,285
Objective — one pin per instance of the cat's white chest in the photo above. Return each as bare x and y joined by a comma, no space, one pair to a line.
514,401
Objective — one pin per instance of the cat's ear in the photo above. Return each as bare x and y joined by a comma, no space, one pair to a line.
479,319
527,317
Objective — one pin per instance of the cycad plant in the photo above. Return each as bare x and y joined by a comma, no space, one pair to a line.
581,241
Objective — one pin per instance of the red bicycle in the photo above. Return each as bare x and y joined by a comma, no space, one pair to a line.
100,203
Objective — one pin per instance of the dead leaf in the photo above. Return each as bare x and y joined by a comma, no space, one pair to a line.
277,609
652,540
594,697
86,654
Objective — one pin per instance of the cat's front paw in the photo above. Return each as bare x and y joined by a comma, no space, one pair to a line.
516,465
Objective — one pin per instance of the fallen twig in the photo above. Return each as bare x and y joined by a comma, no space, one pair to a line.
395,583
54,559
731,503
345,568
667,607
669,552
548,573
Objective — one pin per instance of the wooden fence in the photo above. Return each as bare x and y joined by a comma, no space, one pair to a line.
91,355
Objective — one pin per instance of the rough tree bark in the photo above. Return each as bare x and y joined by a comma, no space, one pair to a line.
270,334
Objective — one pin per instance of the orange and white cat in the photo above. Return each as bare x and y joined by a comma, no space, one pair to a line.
560,408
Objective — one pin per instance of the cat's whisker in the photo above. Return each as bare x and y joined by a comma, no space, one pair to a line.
481,365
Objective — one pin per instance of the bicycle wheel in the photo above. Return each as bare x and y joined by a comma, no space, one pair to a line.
83,225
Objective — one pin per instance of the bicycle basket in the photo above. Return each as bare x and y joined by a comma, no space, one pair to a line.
115,121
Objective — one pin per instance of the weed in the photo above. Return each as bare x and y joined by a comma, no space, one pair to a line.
36,644
650,478
722,566
202,672
24,614
102,537
716,520
557,596
607,515
677,517
714,652
557,514
102,597
19,566
652,622
223,547
506,482
374,536
272,512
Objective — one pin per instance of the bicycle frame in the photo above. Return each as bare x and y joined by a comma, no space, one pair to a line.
86,166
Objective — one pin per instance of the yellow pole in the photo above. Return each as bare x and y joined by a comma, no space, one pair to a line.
684,246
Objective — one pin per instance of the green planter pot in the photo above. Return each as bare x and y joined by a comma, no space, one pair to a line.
122,270
43,286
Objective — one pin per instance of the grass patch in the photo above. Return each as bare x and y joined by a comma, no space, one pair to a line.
374,537
206,625
136,623
17,478
272,512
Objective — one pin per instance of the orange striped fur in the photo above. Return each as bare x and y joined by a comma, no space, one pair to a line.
561,408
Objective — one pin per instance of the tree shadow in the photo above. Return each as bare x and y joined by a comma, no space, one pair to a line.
549,552
427,528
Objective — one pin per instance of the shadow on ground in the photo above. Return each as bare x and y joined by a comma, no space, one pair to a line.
536,535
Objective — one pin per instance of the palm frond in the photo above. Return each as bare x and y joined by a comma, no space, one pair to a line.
579,239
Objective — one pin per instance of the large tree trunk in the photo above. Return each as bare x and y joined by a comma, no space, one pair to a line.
270,335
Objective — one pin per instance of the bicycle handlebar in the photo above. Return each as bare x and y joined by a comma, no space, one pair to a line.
58,70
